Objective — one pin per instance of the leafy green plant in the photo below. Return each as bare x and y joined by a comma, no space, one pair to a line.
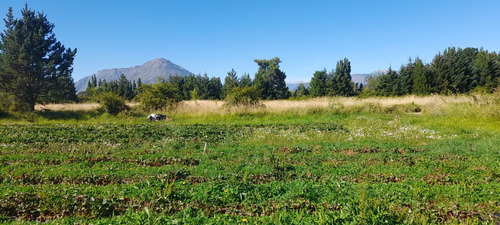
111,102
246,97
159,96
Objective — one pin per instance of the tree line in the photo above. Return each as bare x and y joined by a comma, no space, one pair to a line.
454,71
36,68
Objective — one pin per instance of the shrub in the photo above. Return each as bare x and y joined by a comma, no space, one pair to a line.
248,96
158,96
404,108
111,102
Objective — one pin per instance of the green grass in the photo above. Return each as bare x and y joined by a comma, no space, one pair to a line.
321,166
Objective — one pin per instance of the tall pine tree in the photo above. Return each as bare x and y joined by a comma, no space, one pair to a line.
344,84
230,82
35,67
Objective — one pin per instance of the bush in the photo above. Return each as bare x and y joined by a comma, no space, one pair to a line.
158,96
111,102
404,108
8,103
248,97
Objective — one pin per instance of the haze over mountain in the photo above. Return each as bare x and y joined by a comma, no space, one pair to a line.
148,72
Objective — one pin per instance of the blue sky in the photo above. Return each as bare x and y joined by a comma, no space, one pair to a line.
215,36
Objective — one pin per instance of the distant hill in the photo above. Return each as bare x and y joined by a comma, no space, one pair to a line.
295,85
148,72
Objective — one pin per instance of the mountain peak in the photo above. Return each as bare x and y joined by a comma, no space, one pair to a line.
147,72
157,61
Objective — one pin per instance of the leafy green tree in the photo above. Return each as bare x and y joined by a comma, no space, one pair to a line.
230,82
33,62
111,102
158,96
270,80
317,87
247,96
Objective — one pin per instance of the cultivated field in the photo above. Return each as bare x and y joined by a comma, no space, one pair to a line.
411,160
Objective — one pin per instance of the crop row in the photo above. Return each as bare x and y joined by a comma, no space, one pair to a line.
159,161
117,133
168,201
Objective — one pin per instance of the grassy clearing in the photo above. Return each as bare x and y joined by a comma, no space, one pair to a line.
320,161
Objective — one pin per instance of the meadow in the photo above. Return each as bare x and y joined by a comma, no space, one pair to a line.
407,160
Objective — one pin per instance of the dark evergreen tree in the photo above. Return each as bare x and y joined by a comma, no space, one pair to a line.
343,82
33,62
421,79
190,85
406,73
302,91
439,70
230,82
139,82
94,80
317,87
245,81
179,82
486,70
388,84
331,84
462,68
125,89
214,88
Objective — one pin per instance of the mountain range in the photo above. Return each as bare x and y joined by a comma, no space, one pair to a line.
148,72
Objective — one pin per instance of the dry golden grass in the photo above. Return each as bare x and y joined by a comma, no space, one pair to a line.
429,103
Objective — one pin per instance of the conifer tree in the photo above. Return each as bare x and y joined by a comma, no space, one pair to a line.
230,82
317,87
343,78
245,81
35,67
421,82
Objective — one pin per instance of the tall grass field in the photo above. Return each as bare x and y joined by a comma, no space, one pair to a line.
408,160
